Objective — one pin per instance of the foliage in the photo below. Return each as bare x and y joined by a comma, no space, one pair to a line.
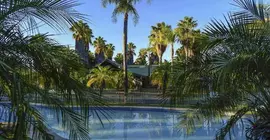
123,7
230,73
100,77
91,57
159,38
131,53
109,51
126,8
100,45
119,58
141,60
172,38
119,80
81,31
160,76
28,61
185,33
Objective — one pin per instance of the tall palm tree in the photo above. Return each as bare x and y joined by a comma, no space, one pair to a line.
130,53
171,40
109,51
23,56
82,34
185,32
100,46
159,38
100,77
125,7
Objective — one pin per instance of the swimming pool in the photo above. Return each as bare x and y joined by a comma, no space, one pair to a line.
129,123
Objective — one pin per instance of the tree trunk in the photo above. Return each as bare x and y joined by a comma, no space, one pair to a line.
190,53
164,85
125,55
101,89
81,49
160,59
172,52
186,52
20,126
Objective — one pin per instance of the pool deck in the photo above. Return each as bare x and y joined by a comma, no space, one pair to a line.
145,108
152,107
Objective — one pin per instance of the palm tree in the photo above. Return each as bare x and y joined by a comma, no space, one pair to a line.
119,80
119,58
109,51
231,74
82,35
100,46
125,7
171,40
91,58
141,60
130,53
159,38
160,77
23,56
100,77
185,32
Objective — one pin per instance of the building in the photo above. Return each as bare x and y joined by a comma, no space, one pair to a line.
140,72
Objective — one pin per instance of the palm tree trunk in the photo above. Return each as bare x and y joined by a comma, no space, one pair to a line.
160,59
186,52
20,127
172,52
125,55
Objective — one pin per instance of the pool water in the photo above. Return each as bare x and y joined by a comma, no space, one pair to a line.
143,124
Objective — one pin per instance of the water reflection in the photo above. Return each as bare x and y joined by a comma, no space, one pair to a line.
143,124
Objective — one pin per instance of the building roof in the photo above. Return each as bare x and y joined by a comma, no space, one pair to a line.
142,70
113,64
137,70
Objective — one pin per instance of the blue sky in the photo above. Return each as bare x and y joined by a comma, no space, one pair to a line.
169,11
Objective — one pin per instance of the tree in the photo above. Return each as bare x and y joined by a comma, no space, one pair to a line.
109,51
100,46
119,80
141,60
22,56
130,53
171,40
119,58
159,38
231,74
125,7
185,32
82,35
160,77
100,77
91,58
